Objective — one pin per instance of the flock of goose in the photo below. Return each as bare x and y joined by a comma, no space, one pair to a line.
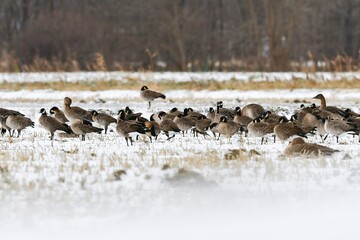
252,119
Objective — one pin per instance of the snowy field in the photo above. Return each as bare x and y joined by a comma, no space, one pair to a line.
175,76
238,189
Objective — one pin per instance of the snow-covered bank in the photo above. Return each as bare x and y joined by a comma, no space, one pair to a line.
175,76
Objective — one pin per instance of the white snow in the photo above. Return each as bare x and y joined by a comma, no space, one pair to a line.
174,76
67,189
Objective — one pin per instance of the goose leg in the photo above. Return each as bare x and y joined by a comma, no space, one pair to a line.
150,139
262,140
106,127
274,138
149,104
337,139
326,136
219,136
83,137
19,131
51,136
127,141
131,141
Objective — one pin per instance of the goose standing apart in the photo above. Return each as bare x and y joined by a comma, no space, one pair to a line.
73,113
52,124
299,147
253,110
227,128
285,130
102,119
78,127
149,95
129,128
18,122
338,113
257,128
337,127
58,114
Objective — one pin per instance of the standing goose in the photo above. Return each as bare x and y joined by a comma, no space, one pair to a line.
185,123
253,110
202,125
168,127
257,128
18,122
227,128
102,119
52,124
299,147
58,114
73,113
129,128
149,95
334,110
337,127
78,127
4,113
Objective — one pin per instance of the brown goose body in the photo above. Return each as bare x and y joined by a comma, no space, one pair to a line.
103,119
73,113
18,122
52,124
78,127
253,110
227,128
299,147
149,95
285,130
58,114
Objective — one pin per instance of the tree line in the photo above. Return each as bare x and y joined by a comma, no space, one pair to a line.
179,35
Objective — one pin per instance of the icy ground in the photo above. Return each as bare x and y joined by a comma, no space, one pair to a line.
235,189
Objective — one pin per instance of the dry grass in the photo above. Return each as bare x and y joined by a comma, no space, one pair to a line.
193,85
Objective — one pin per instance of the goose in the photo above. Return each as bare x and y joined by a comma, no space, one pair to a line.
52,124
242,120
253,110
18,122
6,112
129,128
227,128
202,125
168,127
79,127
299,147
323,107
257,128
102,119
337,127
229,113
149,95
184,123
285,130
73,113
58,114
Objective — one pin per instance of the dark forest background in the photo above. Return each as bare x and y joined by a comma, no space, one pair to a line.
179,35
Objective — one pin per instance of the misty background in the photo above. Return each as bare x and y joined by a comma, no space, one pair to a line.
179,35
